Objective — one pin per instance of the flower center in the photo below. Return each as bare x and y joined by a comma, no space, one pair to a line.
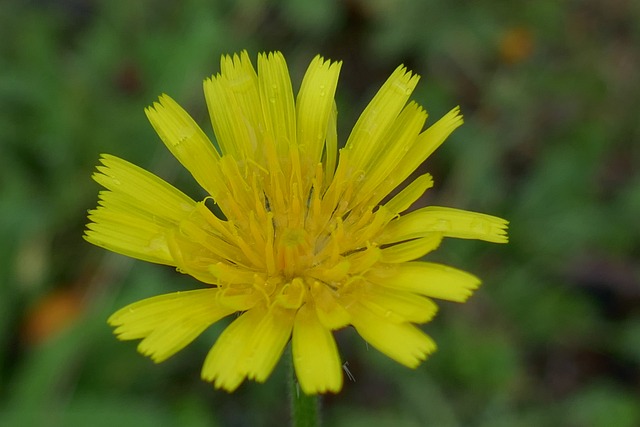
294,252
293,237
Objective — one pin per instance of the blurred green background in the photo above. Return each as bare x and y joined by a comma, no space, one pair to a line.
551,142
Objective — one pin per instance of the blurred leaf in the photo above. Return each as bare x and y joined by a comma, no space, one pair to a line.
486,362
627,339
602,405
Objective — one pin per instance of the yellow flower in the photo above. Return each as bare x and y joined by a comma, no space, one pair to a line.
308,240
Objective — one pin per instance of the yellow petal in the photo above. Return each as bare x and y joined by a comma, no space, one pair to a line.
268,342
140,190
187,142
408,196
448,221
191,257
230,273
168,322
293,294
206,244
429,140
315,355
398,306
239,298
400,137
424,145
233,101
403,342
336,273
413,249
426,278
330,313
226,365
379,116
369,226
314,107
276,96
134,216
130,235
331,144
363,260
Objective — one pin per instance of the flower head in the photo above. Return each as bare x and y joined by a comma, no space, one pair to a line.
308,240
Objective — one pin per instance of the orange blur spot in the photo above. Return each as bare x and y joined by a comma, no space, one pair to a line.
52,314
516,45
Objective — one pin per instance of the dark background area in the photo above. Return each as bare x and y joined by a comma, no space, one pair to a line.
551,142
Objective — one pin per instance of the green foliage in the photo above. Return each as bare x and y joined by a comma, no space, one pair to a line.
550,99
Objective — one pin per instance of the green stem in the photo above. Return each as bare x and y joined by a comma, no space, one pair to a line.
305,409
